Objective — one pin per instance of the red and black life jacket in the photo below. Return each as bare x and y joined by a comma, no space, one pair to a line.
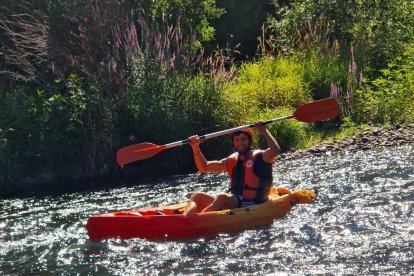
252,178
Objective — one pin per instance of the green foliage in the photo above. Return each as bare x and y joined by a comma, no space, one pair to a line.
298,18
348,127
158,102
380,29
194,16
268,83
390,97
42,135
320,70
74,124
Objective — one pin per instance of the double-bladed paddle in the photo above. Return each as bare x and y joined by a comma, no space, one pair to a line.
311,112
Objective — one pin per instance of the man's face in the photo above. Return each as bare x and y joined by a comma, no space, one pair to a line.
241,143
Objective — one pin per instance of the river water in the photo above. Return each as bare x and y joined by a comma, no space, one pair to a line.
362,223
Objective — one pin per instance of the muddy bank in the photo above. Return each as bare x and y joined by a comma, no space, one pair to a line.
366,140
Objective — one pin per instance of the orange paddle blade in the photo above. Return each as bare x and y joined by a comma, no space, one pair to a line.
317,111
137,152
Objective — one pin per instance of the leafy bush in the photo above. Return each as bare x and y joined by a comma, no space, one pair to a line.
320,71
69,135
74,124
389,98
195,16
379,29
268,83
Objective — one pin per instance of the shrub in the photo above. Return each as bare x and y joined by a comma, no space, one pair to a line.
268,83
320,71
195,16
164,107
389,98
69,135
379,29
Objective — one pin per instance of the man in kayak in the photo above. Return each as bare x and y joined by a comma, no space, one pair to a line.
250,172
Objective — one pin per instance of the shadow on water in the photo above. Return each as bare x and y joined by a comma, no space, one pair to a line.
361,224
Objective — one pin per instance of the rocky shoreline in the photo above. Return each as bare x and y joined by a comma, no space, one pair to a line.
366,140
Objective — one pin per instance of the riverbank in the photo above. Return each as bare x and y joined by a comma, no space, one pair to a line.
366,139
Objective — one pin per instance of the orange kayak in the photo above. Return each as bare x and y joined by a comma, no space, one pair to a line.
169,223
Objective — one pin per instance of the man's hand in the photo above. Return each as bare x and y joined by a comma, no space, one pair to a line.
195,141
260,126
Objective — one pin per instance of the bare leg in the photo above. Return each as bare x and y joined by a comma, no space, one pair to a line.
222,201
196,200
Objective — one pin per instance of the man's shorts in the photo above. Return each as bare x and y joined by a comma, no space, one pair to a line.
243,202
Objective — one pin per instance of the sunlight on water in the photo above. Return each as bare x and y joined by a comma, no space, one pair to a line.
362,223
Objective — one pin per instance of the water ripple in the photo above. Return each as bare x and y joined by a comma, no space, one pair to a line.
362,223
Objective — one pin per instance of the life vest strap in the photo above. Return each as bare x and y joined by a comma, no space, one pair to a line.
246,187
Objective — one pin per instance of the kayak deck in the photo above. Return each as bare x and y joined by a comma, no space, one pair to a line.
168,222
